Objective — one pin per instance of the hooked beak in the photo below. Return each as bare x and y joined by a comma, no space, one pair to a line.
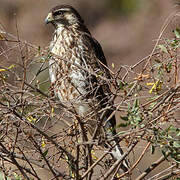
49,18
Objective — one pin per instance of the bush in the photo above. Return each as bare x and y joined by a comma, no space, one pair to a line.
38,132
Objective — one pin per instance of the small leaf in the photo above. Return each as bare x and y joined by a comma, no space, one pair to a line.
177,32
10,67
152,149
125,118
52,112
16,176
39,48
152,104
123,125
121,85
157,86
168,67
100,73
31,119
137,119
149,84
45,153
93,155
175,43
1,70
172,128
176,144
162,48
142,125
136,103
43,144
158,65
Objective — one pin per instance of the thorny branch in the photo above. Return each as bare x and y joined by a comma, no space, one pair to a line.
37,131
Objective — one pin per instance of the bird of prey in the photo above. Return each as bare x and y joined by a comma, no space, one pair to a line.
78,74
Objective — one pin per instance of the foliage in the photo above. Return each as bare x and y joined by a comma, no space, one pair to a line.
125,7
37,131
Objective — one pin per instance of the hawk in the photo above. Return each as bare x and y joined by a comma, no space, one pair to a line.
78,75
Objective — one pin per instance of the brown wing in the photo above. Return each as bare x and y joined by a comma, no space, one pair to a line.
103,90
100,55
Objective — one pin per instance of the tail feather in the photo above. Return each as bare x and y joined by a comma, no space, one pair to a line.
117,152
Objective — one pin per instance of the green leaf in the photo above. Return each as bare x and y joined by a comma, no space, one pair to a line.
136,103
139,87
142,125
177,32
45,153
2,176
39,48
130,85
168,67
175,43
137,119
135,107
152,105
121,85
176,144
17,177
152,149
176,157
125,118
123,125
158,65
172,128
162,48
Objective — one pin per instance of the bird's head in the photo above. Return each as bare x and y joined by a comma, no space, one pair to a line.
63,15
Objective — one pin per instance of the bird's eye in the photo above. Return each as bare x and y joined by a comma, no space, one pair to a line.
58,13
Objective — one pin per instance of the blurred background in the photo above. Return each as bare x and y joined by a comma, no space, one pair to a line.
126,29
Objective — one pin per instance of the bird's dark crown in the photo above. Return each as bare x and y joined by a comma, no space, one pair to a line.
64,14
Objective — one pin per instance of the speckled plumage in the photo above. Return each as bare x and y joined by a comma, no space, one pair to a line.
76,86
75,44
